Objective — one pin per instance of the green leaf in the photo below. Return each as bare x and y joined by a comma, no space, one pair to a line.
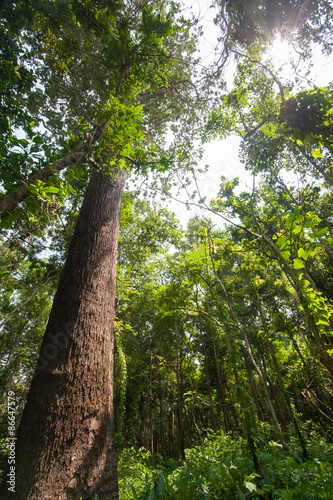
51,190
250,486
241,494
159,485
298,264
22,142
316,153
37,139
72,190
281,242
134,493
286,255
297,229
318,233
302,254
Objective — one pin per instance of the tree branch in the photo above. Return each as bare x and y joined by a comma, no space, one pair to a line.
10,200
255,61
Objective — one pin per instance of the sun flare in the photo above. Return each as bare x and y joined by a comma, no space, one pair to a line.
280,52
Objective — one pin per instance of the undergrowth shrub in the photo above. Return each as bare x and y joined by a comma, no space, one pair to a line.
222,469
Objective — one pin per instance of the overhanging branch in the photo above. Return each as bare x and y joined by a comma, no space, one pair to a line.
10,200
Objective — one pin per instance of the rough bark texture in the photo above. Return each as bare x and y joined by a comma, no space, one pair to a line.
65,439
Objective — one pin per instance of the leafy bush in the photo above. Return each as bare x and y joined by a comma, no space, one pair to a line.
222,468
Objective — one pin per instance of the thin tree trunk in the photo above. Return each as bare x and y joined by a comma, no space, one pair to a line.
160,444
147,415
287,400
179,377
181,439
65,444
256,366
209,389
219,378
311,376
325,358
172,449
248,420
221,387
258,404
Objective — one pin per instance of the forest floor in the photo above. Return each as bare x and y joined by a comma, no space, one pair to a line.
221,468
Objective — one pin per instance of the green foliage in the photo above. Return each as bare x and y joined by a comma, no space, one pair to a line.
215,326
222,468
109,60
308,117
243,22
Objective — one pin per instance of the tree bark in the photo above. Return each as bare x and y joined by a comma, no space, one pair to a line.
258,404
248,420
179,379
325,358
209,389
147,414
255,365
221,386
65,444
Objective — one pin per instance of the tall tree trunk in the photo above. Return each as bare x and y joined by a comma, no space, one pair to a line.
172,442
209,389
258,404
179,378
221,386
325,358
219,378
255,365
160,444
248,420
65,444
147,414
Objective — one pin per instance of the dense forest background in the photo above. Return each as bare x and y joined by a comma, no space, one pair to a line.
223,331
